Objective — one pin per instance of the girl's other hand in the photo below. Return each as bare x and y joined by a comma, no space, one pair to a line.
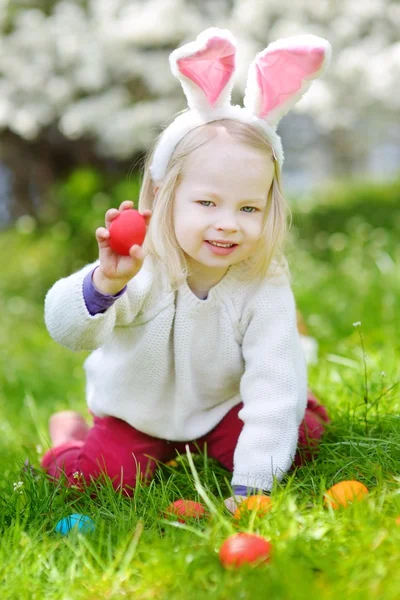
233,502
115,270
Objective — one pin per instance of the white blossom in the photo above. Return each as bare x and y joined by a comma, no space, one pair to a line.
101,68
17,486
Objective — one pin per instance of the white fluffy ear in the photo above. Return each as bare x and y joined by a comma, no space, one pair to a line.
206,68
281,74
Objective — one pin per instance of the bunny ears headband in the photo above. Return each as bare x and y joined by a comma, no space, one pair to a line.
278,77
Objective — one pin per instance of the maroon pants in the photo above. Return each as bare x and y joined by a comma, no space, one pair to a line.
116,450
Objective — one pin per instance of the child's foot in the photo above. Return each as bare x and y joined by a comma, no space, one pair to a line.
67,426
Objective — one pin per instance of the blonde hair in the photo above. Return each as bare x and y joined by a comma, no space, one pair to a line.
161,242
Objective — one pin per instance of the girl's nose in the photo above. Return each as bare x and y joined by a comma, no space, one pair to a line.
227,223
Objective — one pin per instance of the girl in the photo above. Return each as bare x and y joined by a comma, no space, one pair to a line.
194,335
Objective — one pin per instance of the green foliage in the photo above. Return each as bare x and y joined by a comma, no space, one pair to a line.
79,206
345,259
346,252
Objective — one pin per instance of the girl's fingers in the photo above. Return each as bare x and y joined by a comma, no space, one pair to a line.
126,204
102,233
110,215
136,252
147,216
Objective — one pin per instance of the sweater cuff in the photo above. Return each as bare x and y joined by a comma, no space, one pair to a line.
242,490
95,301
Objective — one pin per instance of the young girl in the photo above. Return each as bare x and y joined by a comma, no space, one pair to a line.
194,335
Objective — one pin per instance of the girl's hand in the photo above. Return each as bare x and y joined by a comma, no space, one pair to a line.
115,270
233,502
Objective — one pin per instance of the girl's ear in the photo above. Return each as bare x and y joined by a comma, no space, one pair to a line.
282,73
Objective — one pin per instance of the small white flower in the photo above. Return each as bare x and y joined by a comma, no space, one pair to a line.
39,449
357,324
189,558
77,475
382,374
18,485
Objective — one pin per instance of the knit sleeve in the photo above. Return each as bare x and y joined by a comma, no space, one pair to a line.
69,321
96,301
273,389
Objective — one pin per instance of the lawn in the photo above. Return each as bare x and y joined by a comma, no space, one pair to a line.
345,258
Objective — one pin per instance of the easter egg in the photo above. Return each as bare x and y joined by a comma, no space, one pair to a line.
344,493
241,548
262,505
185,509
126,230
75,521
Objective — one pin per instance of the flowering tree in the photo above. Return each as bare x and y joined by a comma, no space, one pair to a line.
89,80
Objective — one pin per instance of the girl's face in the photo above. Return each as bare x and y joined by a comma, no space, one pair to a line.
221,197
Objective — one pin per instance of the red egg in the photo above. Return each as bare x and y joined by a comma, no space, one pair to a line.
126,230
243,548
186,509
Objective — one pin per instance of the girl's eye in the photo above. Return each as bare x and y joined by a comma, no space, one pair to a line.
252,208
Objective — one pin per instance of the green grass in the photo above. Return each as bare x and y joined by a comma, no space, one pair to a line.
346,268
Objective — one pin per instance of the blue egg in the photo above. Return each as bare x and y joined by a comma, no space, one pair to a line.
79,522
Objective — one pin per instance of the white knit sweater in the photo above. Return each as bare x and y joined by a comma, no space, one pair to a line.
172,365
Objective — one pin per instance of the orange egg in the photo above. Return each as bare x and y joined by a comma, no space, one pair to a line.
344,493
262,505
398,520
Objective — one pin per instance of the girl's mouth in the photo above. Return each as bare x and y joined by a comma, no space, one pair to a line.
220,250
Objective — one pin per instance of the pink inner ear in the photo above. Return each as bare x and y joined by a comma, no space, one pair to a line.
280,74
210,68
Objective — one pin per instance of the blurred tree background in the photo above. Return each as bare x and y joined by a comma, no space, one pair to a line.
85,88
86,84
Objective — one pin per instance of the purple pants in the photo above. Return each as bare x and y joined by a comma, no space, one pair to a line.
116,450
